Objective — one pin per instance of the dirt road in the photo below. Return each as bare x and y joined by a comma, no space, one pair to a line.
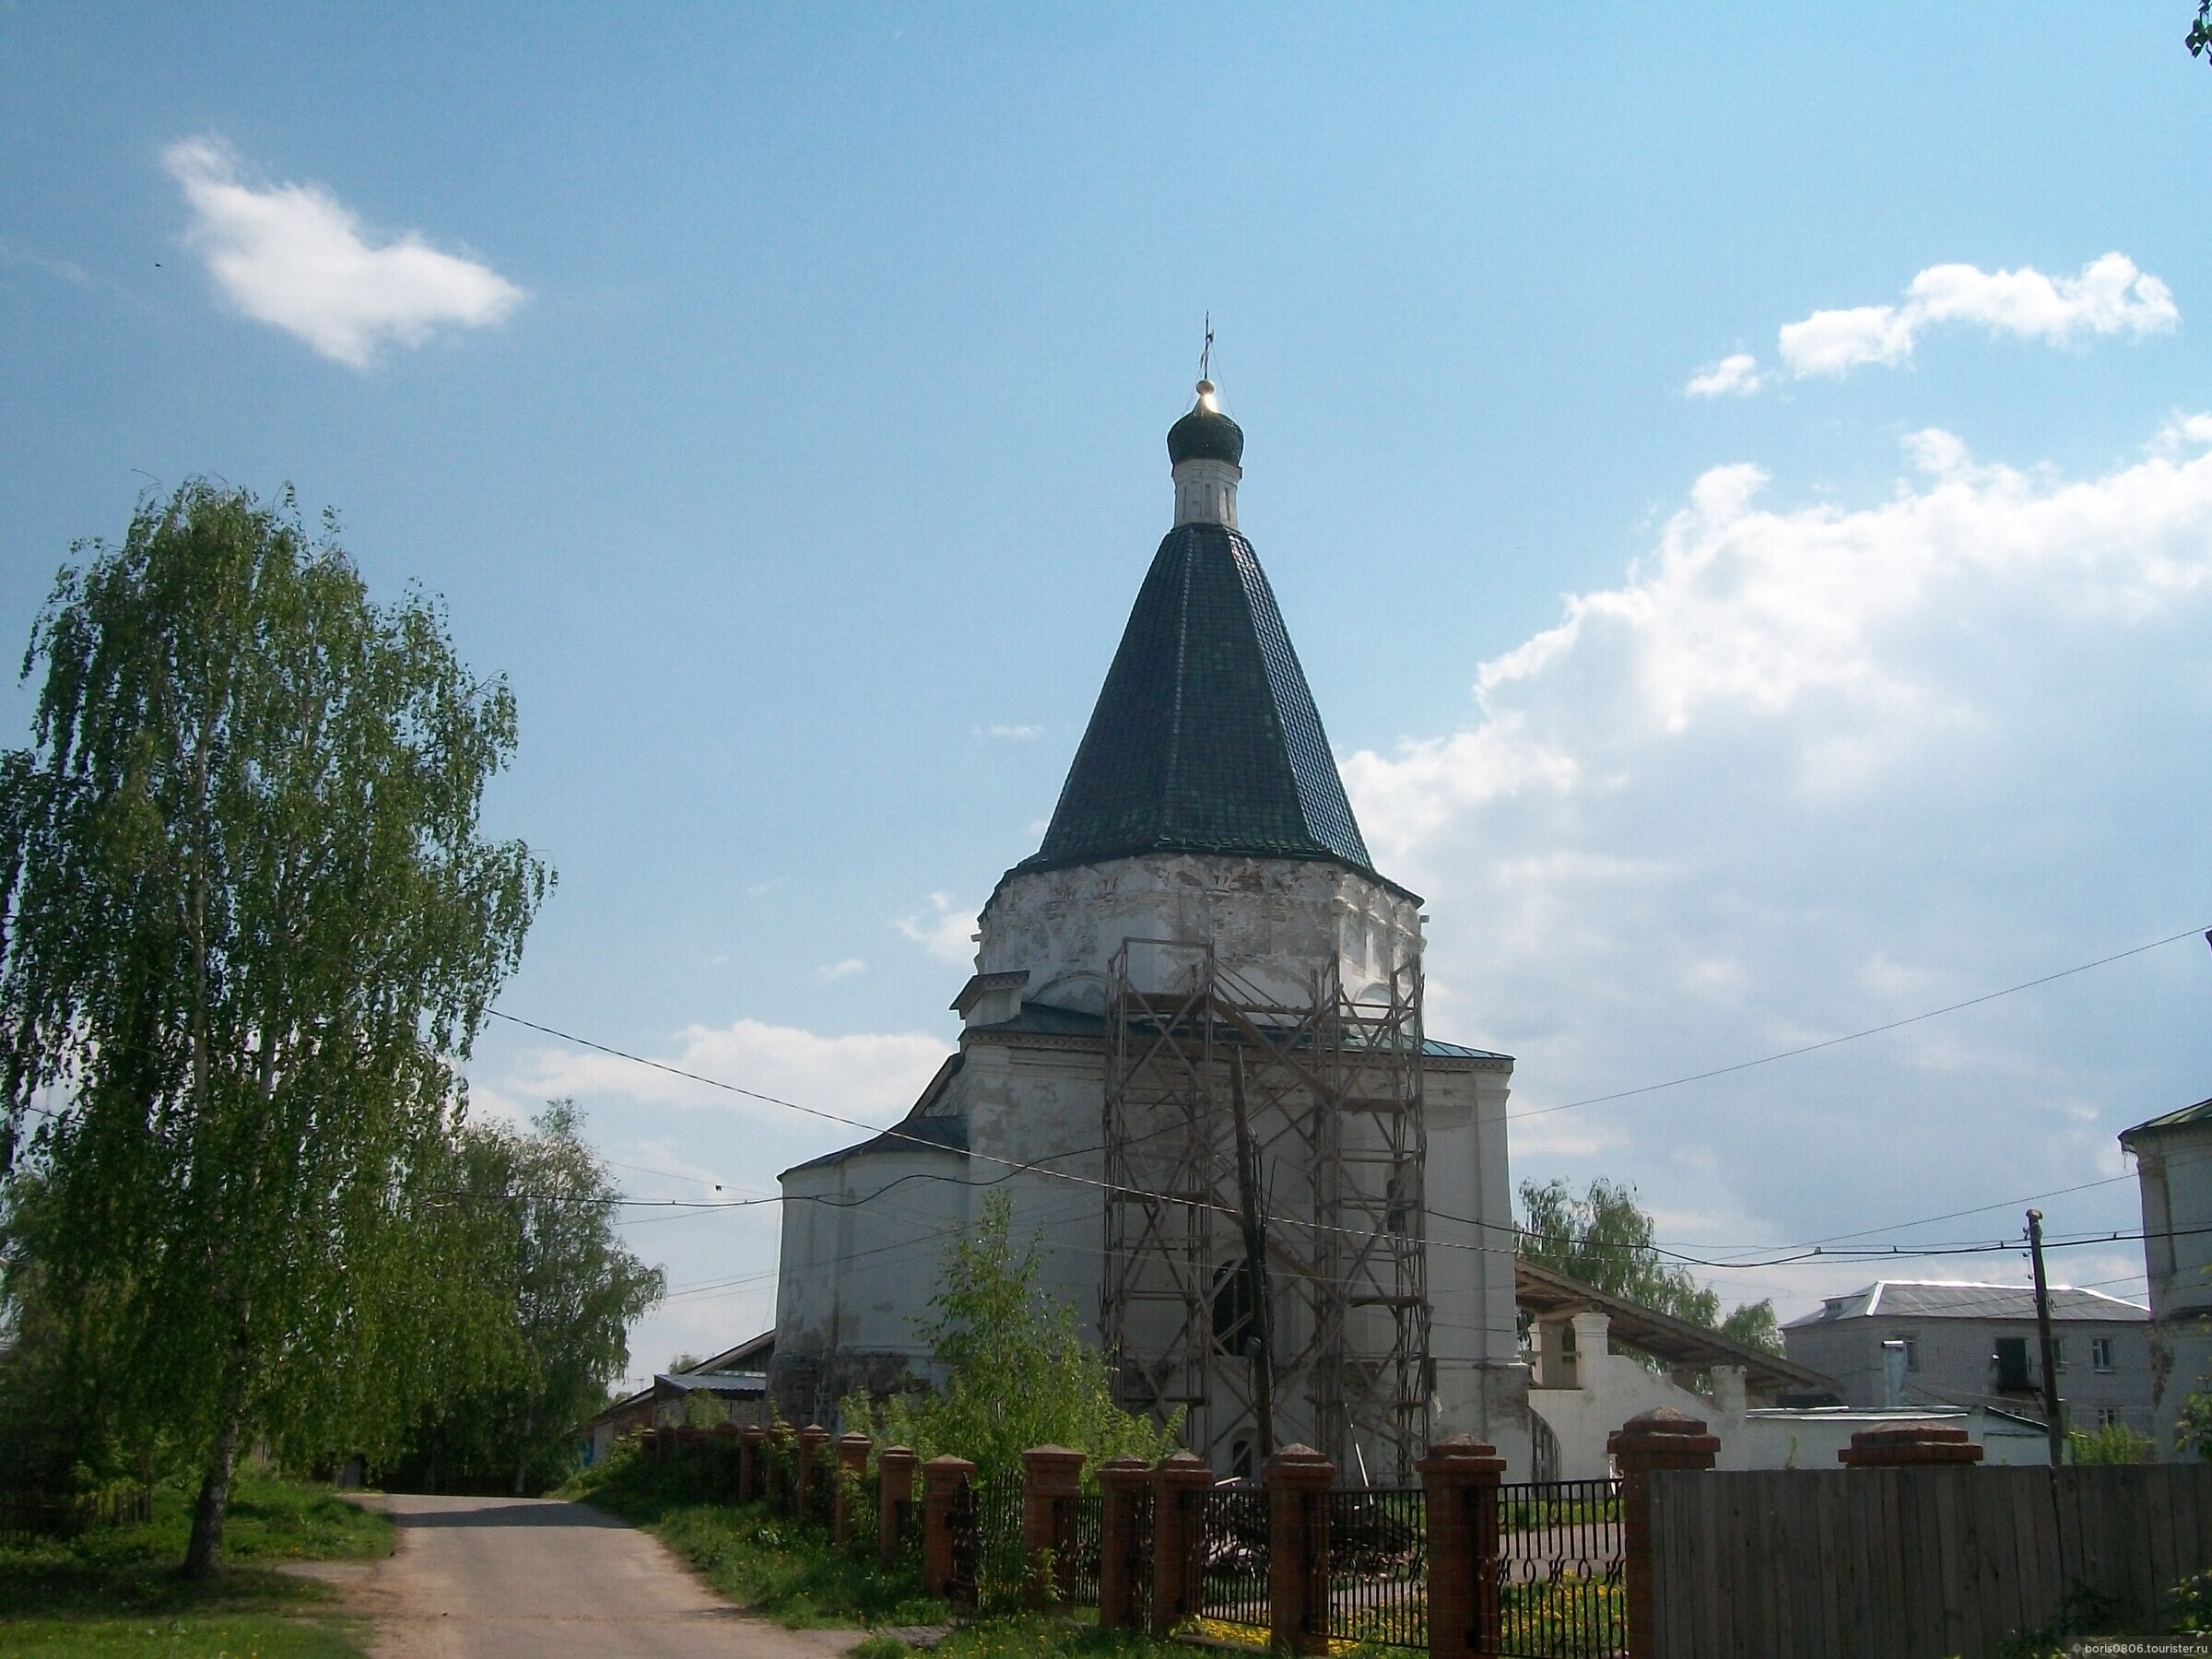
520,1578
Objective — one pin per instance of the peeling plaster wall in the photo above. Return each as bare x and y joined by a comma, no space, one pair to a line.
1481,1385
1277,922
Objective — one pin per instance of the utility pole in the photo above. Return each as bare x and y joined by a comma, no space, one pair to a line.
1255,1228
2054,1425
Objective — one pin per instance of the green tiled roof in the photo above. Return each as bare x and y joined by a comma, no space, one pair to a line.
1204,738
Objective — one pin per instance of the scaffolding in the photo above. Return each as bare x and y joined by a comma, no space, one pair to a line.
1330,1087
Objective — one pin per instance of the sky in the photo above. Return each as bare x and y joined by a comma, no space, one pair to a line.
1739,481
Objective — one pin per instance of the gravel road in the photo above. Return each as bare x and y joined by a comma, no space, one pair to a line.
522,1578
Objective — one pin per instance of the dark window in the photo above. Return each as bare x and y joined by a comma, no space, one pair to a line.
2012,1364
1912,1349
2100,1353
1234,1328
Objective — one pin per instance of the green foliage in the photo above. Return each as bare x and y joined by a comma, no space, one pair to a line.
1606,1240
131,1571
1017,1373
247,925
2199,38
542,1206
2193,1425
769,1562
2113,1444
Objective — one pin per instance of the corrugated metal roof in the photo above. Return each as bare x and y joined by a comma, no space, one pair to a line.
2188,1117
1921,1299
714,1383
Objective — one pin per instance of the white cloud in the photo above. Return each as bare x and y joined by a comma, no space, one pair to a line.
1014,733
872,1076
943,928
1731,376
833,972
295,258
1809,768
2110,296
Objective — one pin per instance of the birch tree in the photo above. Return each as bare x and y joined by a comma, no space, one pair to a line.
248,924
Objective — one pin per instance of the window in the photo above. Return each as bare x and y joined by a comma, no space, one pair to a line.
2100,1353
2109,1417
1912,1349
2011,1360
2058,1353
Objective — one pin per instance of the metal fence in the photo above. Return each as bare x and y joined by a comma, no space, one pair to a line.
1560,1591
1232,1573
1076,1527
26,1516
1378,1589
985,1526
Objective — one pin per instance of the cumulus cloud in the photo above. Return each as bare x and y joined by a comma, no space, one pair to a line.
1811,766
295,258
2110,296
943,928
1735,376
872,1076
829,972
1016,733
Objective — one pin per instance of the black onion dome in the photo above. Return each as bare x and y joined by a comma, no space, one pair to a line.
1206,434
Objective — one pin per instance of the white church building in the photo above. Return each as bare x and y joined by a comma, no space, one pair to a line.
1192,1059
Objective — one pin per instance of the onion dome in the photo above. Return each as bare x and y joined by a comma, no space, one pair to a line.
1206,434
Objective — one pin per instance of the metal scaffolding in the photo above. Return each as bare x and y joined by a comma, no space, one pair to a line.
1331,1089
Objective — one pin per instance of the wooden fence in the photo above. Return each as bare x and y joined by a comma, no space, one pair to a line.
1913,1563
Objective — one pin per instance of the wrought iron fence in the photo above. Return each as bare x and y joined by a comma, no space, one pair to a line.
1378,1556
1232,1583
25,1516
1140,1559
985,1526
1077,1540
1560,1590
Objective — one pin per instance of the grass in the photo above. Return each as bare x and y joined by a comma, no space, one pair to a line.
791,1572
117,1591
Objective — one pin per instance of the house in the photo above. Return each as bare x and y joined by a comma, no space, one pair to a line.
1201,932
736,1379
1598,1359
2173,1171
1968,1345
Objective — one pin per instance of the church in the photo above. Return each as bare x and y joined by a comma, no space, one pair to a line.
1194,1062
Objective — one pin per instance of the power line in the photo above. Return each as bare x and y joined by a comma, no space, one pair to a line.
1827,1042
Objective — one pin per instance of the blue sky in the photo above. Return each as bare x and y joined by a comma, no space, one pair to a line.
778,399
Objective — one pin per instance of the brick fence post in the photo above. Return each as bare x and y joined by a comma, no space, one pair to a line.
750,1462
814,1464
1298,1479
852,1482
1663,1439
1460,1475
1123,1485
1179,1483
1048,1474
943,1481
1908,1445
895,1500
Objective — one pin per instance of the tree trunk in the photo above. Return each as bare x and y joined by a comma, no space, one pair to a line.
203,1555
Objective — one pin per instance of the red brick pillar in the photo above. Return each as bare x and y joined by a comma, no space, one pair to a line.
851,1483
944,1479
895,1500
814,1464
1663,1439
1460,1475
752,1463
1908,1446
1298,1479
1179,1483
1048,1474
1124,1485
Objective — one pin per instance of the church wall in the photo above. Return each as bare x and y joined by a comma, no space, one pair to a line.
1032,1101
1481,1385
859,1264
1276,921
